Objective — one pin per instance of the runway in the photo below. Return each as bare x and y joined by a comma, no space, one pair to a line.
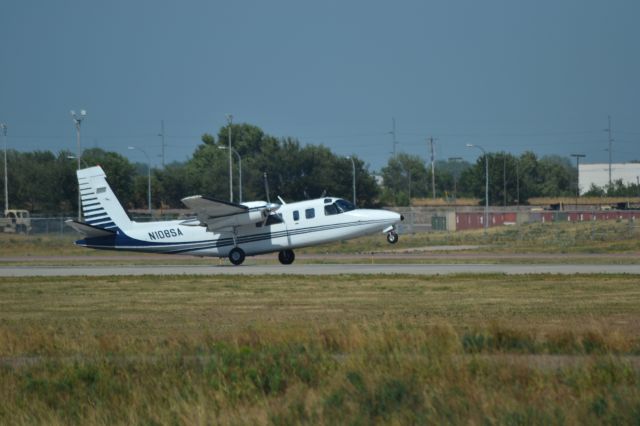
315,269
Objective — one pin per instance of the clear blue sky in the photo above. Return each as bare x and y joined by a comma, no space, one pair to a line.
509,75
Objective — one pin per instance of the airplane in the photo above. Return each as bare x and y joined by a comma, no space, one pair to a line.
224,229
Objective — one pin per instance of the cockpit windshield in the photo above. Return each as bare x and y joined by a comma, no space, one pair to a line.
344,206
340,206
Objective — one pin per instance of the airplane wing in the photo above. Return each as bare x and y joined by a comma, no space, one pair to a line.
210,208
218,215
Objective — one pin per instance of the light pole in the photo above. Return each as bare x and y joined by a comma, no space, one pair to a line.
6,184
77,120
239,170
486,185
353,180
148,177
229,122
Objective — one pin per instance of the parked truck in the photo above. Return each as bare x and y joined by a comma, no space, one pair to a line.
15,222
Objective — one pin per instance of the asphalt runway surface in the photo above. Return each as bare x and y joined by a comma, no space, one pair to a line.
315,269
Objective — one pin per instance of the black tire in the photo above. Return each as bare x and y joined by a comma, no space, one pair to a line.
392,237
286,257
236,256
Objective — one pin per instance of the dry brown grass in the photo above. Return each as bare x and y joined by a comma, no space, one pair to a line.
322,350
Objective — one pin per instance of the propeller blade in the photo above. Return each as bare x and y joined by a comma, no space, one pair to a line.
266,187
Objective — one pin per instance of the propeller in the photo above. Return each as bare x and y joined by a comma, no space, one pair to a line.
270,207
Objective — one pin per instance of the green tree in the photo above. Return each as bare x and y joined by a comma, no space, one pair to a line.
556,176
448,175
294,172
405,176
523,177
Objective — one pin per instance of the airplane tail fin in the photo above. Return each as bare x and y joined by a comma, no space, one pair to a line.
100,207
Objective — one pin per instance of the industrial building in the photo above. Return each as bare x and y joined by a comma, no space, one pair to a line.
598,174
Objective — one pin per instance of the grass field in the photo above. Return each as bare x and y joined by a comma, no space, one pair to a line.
324,350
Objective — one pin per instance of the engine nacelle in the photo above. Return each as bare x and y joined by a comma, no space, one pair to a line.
240,219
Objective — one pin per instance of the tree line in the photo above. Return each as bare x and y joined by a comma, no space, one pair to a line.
44,182
512,179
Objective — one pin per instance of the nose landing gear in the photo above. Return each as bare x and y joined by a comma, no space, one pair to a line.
392,237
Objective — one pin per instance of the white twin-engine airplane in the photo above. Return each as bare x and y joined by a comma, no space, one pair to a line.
223,229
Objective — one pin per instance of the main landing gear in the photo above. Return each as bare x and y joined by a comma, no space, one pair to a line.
286,257
236,256
392,237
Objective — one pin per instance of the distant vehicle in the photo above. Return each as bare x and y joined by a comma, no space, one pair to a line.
15,222
224,229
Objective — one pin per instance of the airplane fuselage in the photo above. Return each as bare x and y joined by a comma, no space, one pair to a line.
293,226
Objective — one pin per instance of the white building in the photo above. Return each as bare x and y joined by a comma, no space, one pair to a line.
598,174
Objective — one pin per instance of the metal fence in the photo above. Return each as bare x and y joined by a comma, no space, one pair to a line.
56,225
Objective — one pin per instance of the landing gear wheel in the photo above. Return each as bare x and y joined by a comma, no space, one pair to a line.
286,257
236,256
392,237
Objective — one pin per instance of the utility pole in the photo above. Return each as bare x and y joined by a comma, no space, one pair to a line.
578,157
3,126
230,121
162,139
609,130
433,169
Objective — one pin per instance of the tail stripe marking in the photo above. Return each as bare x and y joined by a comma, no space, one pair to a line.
99,221
95,215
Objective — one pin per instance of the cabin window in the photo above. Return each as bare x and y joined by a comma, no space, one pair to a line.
330,209
296,215
101,190
310,213
327,200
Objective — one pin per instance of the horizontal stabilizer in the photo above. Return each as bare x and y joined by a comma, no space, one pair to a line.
89,230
